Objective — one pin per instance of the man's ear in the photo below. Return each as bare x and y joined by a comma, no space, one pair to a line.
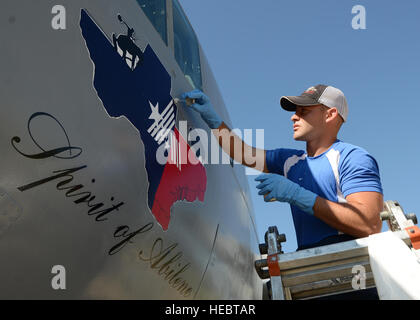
332,113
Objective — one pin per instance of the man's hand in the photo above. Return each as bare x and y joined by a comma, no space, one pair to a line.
204,107
278,187
358,217
234,146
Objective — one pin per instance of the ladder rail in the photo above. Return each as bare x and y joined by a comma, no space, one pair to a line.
328,269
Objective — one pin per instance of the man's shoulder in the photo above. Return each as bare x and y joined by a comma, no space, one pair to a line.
359,170
277,158
286,152
348,149
353,156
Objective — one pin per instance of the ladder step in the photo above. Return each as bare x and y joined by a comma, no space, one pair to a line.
329,253
339,274
324,288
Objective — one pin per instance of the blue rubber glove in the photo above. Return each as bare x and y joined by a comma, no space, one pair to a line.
278,187
204,107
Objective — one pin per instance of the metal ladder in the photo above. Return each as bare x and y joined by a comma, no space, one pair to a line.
330,269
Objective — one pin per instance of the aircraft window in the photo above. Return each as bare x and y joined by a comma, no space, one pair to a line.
186,47
155,10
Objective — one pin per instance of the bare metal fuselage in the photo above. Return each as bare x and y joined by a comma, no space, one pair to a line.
74,182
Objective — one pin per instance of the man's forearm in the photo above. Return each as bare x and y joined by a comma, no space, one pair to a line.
234,146
238,150
353,218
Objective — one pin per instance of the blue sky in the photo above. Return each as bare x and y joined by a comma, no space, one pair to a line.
261,50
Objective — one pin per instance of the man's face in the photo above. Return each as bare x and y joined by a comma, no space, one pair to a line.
308,122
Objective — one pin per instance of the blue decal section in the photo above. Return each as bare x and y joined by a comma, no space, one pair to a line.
134,84
127,92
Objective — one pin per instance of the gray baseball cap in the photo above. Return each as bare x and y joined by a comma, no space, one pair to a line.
320,94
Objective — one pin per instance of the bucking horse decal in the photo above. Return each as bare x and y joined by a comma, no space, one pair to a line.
126,47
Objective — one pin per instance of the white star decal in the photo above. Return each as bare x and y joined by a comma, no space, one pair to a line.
155,115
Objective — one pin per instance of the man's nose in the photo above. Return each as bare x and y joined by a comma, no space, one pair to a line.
294,117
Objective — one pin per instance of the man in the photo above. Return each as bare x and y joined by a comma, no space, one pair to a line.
333,188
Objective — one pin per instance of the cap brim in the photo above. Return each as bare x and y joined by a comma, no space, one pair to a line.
290,103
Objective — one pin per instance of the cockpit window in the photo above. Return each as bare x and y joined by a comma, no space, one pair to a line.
155,10
186,47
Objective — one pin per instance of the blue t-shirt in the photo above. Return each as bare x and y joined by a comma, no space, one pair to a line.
341,170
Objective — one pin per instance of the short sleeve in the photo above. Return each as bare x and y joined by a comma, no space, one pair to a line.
276,158
359,172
